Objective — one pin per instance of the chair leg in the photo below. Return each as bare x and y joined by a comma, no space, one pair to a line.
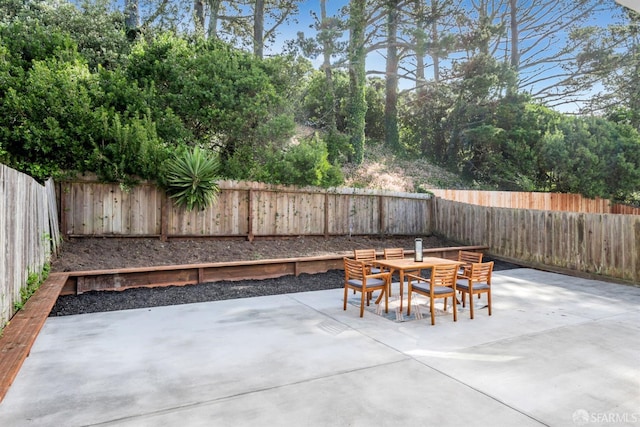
386,298
471,304
345,297
489,301
433,314
409,302
362,298
455,310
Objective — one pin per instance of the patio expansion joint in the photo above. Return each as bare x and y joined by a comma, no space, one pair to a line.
203,403
470,387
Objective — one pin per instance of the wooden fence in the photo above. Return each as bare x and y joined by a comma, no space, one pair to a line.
28,234
542,201
243,209
603,244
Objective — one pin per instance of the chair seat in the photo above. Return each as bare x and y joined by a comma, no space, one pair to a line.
370,283
464,286
375,270
437,290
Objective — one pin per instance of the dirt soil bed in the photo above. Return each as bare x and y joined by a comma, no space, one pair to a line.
109,253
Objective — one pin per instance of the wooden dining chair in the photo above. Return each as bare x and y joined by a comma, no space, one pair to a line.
468,258
393,253
441,284
368,256
478,282
357,277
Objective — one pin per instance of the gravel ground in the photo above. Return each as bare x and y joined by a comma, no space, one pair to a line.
92,302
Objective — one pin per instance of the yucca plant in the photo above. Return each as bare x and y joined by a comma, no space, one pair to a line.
191,179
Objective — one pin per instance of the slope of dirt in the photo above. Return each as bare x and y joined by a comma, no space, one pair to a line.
108,253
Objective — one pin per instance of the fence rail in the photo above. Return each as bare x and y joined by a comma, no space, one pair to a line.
542,201
243,209
28,234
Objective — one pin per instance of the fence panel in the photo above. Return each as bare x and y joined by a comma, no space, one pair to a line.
97,209
533,200
406,216
27,234
604,244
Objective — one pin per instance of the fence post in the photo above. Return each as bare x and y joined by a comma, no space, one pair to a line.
250,215
164,216
381,221
326,215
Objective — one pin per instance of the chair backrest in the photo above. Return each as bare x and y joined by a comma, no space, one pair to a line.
364,254
353,269
469,257
393,253
444,275
481,272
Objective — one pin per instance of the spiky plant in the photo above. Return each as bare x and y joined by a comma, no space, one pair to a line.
191,179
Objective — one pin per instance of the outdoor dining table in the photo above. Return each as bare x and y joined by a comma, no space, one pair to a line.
407,264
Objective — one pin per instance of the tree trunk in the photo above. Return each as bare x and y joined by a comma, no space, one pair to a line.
435,40
515,54
214,12
392,138
258,29
357,74
198,15
327,51
131,14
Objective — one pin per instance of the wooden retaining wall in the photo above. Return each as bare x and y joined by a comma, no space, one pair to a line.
602,244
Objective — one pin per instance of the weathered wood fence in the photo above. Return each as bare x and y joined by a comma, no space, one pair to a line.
603,244
543,201
28,233
243,209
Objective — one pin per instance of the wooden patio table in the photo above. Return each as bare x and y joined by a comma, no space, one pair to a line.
407,264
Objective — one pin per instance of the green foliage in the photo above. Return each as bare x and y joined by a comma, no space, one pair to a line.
191,179
374,118
593,157
46,125
316,104
224,96
34,280
304,164
127,150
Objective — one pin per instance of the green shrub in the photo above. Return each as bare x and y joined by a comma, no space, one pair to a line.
191,179
127,148
303,164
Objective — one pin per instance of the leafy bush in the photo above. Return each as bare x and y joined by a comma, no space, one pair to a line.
127,150
303,164
191,179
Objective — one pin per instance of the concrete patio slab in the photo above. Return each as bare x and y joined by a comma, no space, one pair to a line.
557,351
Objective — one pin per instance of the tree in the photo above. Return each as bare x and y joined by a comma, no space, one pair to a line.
357,107
612,56
326,43
392,137
533,37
